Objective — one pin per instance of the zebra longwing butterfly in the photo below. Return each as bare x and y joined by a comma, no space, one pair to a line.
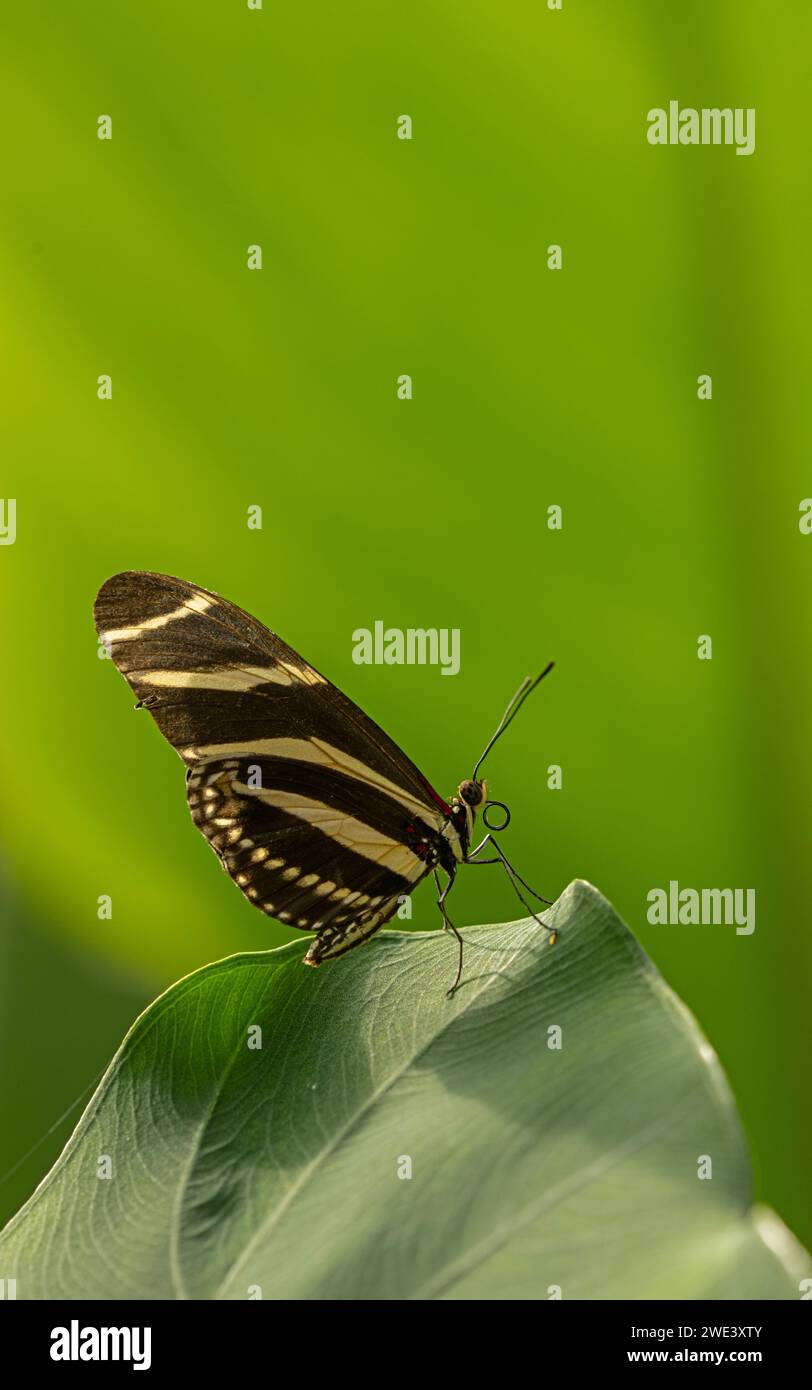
317,815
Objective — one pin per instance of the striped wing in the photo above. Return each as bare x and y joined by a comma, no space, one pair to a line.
305,800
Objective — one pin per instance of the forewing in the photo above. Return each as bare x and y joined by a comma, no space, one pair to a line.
209,673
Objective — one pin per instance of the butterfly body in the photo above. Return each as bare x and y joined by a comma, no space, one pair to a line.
317,815
320,819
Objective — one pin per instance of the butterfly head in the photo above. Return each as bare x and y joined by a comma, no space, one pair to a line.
473,794
471,797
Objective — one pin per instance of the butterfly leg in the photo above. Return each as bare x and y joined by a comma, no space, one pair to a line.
449,925
503,859
515,879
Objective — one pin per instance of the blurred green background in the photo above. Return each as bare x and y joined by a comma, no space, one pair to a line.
532,387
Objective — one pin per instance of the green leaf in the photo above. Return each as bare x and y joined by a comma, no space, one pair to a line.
274,1172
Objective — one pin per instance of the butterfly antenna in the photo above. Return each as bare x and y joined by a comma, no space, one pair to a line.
512,710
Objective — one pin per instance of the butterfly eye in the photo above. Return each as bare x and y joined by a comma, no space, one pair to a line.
472,793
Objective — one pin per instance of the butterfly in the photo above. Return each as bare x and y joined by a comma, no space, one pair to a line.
319,817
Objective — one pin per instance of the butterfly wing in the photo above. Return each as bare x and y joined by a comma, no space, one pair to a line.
313,810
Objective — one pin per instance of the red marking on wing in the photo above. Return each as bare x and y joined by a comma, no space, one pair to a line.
444,807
